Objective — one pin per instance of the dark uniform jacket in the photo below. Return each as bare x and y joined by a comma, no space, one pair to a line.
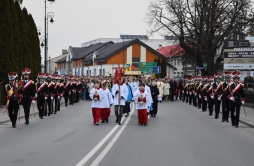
28,91
237,93
41,90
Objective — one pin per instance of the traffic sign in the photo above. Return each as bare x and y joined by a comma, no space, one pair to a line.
146,67
156,69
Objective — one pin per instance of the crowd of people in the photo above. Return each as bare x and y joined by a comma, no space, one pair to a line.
117,93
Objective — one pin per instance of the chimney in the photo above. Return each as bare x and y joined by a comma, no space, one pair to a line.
160,46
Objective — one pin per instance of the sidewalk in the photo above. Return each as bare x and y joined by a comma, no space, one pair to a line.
4,118
249,119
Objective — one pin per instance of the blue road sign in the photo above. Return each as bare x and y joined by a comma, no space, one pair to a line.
156,69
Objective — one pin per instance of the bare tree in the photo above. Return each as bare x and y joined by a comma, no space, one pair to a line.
200,25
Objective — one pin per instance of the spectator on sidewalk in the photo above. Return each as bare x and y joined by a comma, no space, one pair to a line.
90,86
249,81
166,90
84,89
172,88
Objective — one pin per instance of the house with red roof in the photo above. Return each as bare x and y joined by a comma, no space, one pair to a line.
174,55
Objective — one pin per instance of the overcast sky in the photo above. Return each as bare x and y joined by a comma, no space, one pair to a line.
78,21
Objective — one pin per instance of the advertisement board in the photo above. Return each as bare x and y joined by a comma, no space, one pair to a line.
239,59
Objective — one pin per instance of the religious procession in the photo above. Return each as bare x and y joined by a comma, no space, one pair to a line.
118,92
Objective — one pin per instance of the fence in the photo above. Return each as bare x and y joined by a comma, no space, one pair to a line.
249,96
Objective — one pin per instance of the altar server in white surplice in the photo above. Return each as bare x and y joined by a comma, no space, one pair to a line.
119,107
106,103
96,96
142,98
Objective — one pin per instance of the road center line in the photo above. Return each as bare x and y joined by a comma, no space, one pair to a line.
112,142
97,147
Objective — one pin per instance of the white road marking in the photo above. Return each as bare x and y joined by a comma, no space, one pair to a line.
97,147
112,142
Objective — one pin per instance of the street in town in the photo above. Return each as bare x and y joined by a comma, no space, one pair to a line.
180,135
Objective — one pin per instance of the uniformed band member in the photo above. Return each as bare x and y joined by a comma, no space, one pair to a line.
185,95
13,98
66,90
51,95
71,90
203,92
225,101
236,98
198,91
190,88
194,91
28,92
217,93
41,94
58,93
209,90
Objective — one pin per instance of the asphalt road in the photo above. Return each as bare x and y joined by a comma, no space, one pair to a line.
180,135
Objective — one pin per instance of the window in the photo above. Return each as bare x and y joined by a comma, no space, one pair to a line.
103,72
100,71
175,62
178,62
87,72
135,61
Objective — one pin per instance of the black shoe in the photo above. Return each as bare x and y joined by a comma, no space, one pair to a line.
97,124
154,115
41,117
49,114
119,123
103,121
236,126
216,117
233,124
227,121
55,112
106,120
66,104
116,120
27,122
223,121
45,114
144,124
13,126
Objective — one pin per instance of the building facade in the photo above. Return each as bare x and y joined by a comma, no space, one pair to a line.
102,58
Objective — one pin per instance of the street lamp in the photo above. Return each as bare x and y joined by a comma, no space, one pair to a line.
50,15
39,31
42,41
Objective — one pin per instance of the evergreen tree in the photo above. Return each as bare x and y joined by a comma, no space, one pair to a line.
35,51
6,39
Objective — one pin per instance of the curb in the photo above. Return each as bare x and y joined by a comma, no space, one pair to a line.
243,122
21,117
246,123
